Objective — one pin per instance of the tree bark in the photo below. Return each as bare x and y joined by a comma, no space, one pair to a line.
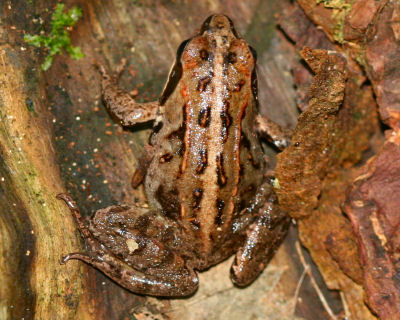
55,136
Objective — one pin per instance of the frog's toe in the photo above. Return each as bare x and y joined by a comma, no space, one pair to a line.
121,66
75,256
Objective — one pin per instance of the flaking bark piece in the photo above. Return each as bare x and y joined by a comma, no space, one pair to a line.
296,25
369,31
301,166
331,134
373,206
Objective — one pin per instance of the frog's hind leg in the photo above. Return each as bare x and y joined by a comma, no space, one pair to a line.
121,105
135,247
263,237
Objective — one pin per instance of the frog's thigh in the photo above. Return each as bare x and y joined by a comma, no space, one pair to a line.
127,244
138,255
263,237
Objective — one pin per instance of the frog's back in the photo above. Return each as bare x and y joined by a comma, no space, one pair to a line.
208,159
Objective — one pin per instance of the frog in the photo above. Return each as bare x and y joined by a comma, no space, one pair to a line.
207,180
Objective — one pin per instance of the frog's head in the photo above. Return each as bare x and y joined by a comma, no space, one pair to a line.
219,25
217,37
217,47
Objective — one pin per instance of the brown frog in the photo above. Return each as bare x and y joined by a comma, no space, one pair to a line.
204,174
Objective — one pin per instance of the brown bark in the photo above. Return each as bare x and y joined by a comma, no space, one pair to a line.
56,136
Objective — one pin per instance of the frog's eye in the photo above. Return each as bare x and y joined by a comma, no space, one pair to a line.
196,51
204,54
240,53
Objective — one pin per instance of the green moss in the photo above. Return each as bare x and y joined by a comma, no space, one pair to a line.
58,38
340,8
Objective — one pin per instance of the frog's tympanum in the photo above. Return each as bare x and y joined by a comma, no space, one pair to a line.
204,172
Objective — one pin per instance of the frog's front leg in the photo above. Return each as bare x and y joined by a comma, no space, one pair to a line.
273,132
121,104
132,246
263,237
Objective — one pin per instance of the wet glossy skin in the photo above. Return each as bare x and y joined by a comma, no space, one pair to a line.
203,171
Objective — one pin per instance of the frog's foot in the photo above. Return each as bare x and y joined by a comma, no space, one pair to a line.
273,132
116,75
121,104
263,237
127,244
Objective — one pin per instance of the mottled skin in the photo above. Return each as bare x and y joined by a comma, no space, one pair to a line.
204,174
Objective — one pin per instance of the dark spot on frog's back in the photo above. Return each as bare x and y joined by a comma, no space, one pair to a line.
202,161
168,199
143,222
197,195
225,114
166,158
203,83
241,171
244,141
226,121
204,117
220,208
239,85
220,170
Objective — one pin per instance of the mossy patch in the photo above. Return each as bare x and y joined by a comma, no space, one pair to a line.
58,38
